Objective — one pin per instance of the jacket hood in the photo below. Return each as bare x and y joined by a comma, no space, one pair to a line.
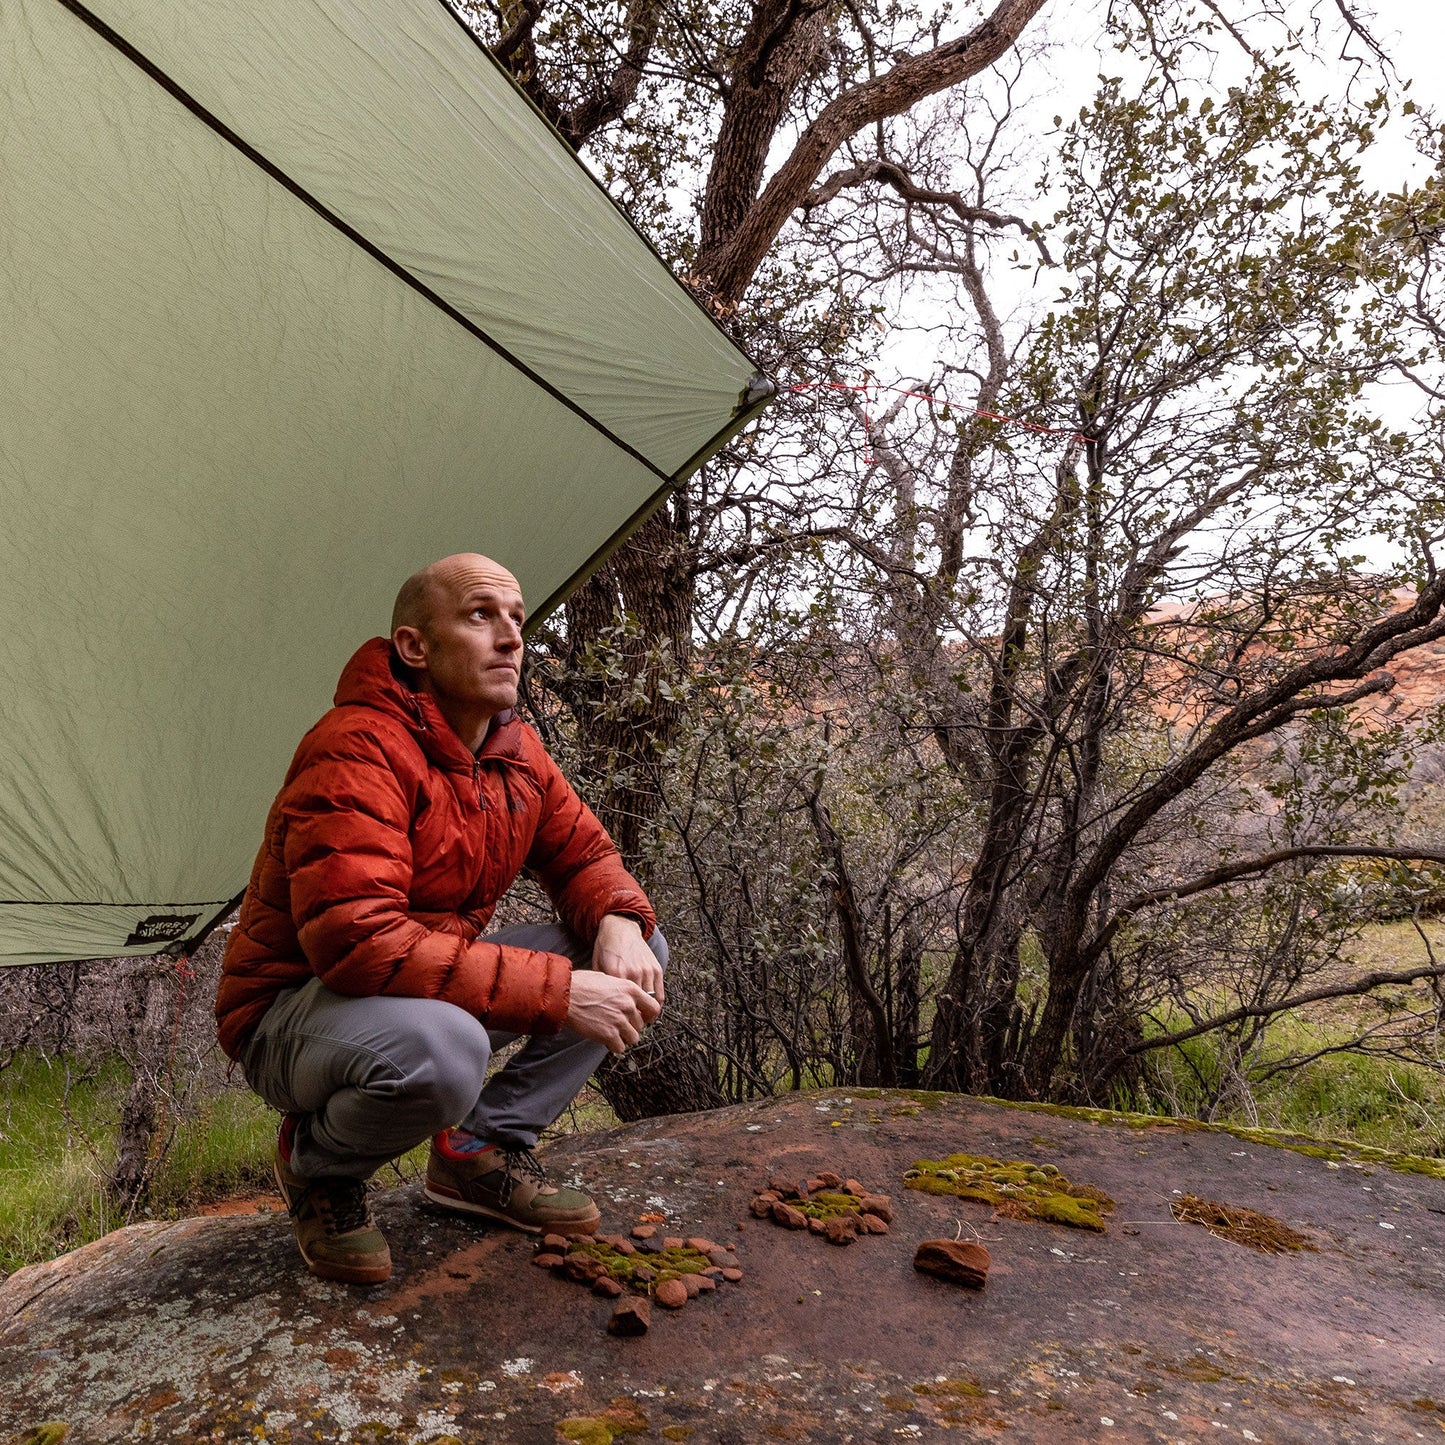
377,678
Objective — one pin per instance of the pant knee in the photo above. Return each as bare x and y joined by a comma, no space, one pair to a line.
658,944
450,1069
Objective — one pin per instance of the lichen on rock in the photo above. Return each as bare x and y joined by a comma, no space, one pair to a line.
1017,1189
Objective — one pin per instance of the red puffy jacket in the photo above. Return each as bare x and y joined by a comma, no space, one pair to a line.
387,849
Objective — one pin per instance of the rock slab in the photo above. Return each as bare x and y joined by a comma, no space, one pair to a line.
211,1330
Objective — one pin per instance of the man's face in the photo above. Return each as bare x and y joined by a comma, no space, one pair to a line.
470,648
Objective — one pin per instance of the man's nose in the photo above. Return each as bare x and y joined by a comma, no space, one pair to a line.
510,637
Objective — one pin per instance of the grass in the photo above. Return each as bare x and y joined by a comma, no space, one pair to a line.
57,1147
1382,1102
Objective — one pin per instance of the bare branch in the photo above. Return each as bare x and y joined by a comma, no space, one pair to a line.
1366,983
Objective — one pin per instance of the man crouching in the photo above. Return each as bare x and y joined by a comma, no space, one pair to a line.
359,993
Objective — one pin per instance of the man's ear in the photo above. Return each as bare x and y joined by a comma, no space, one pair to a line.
410,646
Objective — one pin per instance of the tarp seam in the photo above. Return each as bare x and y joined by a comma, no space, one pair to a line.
92,903
150,68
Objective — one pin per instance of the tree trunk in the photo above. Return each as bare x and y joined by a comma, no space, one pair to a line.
625,727
148,1008
665,1073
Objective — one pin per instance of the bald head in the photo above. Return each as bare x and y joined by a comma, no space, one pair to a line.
457,625
429,591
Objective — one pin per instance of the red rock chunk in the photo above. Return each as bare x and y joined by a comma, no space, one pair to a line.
547,1260
671,1294
733,1276
957,1261
643,1231
605,1285
789,1217
631,1315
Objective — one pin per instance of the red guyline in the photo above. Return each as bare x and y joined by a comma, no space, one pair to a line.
869,386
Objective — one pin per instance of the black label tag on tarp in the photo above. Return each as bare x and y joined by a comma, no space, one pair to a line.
161,928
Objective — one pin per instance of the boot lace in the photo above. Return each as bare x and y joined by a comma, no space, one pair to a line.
341,1203
519,1163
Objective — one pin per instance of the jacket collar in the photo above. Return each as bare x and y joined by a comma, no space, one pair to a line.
376,678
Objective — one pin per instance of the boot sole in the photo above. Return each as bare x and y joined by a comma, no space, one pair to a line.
448,1200
341,1273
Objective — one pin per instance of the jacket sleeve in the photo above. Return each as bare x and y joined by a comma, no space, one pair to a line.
577,863
348,861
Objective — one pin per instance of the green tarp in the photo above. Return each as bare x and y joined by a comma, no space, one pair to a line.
294,298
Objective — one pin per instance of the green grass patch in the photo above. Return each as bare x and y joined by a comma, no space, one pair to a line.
57,1148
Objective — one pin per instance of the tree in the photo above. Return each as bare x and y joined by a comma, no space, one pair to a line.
1227,299
1229,295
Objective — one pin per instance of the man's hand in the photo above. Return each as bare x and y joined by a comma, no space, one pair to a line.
622,952
611,1011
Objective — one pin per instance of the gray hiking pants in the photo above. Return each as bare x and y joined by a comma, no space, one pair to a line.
374,1077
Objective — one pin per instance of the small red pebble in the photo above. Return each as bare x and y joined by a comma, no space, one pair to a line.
741,1226
713,1274
671,1294
780,1184
874,1225
852,1186
556,1243
828,1179
879,1204
606,1286
690,1284
703,1246
625,1246
733,1276
815,1226
547,1261
705,1282
671,1241
730,1246
762,1205
643,1231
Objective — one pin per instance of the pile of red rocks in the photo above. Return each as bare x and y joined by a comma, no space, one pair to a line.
668,1269
827,1204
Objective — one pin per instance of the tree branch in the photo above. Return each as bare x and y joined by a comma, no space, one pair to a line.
894,175
729,270
1246,868
1364,984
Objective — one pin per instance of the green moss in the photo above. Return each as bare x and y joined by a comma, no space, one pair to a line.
665,1264
899,1402
51,1433
586,1430
1334,1150
962,1389
605,1428
826,1205
1019,1188
675,1432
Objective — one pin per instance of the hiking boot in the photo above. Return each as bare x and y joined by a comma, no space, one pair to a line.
335,1231
504,1183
